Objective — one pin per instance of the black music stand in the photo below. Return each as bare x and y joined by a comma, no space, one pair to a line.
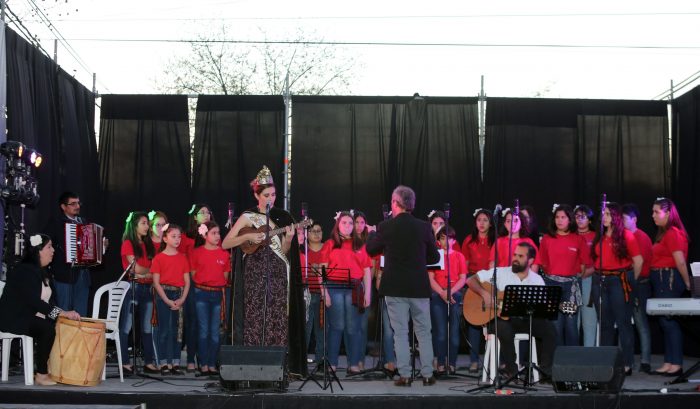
329,374
539,301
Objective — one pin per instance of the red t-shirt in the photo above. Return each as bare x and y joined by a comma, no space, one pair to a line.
477,253
589,237
210,266
503,255
128,250
171,269
455,246
610,260
312,277
673,240
345,258
645,248
458,266
563,255
156,245
186,245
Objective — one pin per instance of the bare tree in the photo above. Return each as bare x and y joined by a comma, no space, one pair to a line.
214,65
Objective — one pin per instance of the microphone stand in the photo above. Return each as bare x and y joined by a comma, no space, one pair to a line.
600,270
267,274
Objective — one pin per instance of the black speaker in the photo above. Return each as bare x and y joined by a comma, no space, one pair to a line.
252,366
588,369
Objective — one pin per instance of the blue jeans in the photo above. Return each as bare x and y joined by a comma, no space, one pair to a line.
615,311
191,328
143,304
74,296
667,283
438,316
401,309
566,325
641,292
166,331
313,325
474,335
589,318
387,334
343,317
208,306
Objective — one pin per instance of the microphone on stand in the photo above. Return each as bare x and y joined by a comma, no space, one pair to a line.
497,210
604,203
447,211
516,208
231,211
385,211
304,210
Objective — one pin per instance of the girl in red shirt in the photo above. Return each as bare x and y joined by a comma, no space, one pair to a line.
437,220
315,259
476,249
611,291
210,266
137,246
506,247
589,319
439,302
669,277
171,281
346,258
564,257
198,214
362,231
157,220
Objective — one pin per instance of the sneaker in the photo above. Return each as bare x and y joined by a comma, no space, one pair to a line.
403,381
429,381
646,368
175,370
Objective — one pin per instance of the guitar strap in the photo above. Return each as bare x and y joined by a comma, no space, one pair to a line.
258,220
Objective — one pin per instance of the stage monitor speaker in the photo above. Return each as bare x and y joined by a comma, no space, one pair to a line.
588,369
252,366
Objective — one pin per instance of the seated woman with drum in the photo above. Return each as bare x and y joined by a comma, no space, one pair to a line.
25,308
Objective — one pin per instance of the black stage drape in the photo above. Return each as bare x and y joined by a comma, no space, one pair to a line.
50,111
350,152
144,161
546,151
234,137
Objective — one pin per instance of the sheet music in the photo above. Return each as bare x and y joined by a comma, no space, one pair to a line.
440,265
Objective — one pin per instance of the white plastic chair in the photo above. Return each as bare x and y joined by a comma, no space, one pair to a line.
116,294
489,369
27,352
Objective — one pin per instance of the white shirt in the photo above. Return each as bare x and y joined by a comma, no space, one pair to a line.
505,276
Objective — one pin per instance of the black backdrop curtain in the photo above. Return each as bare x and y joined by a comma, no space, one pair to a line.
144,162
350,152
234,137
546,151
50,111
686,165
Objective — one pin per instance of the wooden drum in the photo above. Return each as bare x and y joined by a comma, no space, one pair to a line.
78,352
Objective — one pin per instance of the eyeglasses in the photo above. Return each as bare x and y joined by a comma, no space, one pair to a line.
315,231
581,217
73,204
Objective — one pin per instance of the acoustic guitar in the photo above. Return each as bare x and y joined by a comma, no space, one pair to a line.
475,310
248,247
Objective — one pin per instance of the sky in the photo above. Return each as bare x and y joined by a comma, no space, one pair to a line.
615,49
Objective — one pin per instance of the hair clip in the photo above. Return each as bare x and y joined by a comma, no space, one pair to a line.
35,240
476,211
658,199
129,217
191,211
352,213
432,212
554,207
505,212
151,215
337,215
389,214
165,227
202,230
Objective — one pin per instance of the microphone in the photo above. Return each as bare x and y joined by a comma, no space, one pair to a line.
231,211
385,211
447,211
604,203
516,208
304,210
267,207
497,210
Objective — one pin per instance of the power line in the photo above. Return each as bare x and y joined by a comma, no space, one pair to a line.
387,44
24,30
684,83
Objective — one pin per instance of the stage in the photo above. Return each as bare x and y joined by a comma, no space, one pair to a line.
639,391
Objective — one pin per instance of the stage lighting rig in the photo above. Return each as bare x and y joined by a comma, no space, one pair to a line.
20,185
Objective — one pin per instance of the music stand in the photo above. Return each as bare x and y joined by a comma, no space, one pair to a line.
530,301
329,374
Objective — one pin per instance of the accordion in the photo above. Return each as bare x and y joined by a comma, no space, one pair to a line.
84,244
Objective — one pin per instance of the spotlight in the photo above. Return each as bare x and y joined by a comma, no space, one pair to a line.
12,148
32,157
19,185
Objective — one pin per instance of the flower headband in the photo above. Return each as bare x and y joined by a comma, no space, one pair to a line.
35,240
337,214
191,209
165,227
554,207
202,230
476,211
129,217
505,212
432,212
151,215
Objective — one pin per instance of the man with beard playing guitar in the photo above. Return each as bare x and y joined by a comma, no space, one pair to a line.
517,274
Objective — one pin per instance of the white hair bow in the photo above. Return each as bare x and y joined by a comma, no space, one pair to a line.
432,212
505,212
554,207
202,230
476,211
35,240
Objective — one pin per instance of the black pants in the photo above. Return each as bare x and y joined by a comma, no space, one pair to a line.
542,329
43,331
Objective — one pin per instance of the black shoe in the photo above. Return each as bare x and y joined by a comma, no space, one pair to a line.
165,371
628,372
176,370
127,371
674,374
429,381
403,382
646,368
350,372
213,374
191,370
148,370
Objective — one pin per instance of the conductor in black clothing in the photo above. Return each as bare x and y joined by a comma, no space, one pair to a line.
408,245
25,307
